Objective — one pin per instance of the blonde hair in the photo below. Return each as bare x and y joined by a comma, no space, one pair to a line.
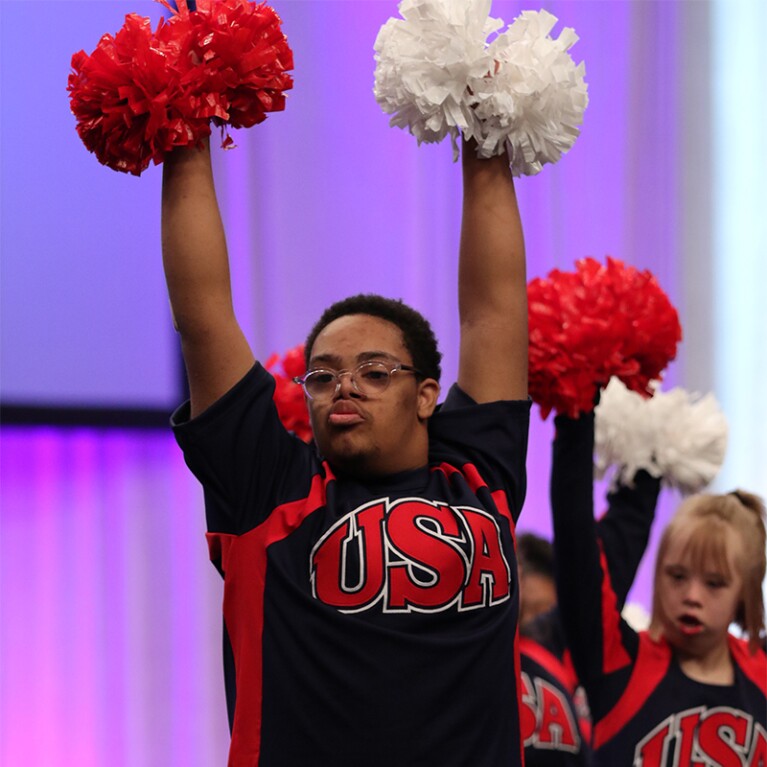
704,521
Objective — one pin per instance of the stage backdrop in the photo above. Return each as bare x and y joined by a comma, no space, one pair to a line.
110,613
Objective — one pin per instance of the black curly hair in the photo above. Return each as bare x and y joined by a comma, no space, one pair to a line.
417,333
535,555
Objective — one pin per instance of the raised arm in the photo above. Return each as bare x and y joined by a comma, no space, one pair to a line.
589,607
492,283
625,528
196,263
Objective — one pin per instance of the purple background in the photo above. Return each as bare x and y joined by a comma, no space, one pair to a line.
110,612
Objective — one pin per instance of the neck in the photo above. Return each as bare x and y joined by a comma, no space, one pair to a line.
365,469
365,466
714,666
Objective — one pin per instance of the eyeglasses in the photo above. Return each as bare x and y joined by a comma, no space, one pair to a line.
368,378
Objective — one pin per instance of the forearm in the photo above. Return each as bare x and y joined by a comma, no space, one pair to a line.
196,265
193,242
492,290
577,557
625,530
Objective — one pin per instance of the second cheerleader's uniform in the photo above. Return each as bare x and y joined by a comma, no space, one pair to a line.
366,622
645,711
555,719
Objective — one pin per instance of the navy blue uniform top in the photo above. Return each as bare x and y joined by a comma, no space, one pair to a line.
551,726
554,695
646,712
367,622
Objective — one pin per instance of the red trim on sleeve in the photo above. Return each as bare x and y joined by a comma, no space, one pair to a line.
502,504
614,654
219,545
474,479
651,666
468,471
567,662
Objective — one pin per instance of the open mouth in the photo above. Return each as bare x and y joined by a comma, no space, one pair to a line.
689,625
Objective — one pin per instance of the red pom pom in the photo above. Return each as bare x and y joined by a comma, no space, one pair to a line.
140,94
125,96
244,55
589,325
288,396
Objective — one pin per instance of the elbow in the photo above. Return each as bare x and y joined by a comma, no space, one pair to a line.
198,323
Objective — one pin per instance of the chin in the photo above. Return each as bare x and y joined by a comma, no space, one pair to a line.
345,455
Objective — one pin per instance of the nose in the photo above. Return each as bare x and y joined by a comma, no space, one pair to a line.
346,386
694,591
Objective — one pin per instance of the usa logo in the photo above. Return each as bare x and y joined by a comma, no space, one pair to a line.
702,737
411,555
546,717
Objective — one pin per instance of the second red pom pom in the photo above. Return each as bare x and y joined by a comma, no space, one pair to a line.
594,323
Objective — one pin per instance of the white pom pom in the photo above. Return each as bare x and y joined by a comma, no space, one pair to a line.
425,61
675,435
438,76
623,436
693,442
533,105
636,616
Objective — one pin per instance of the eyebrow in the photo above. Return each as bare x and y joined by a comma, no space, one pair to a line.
697,571
335,360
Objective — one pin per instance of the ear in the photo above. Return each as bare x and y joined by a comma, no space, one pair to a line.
428,394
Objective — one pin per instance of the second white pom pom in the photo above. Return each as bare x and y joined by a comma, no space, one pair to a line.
675,435
438,74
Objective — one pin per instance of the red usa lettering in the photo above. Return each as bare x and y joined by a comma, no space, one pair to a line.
411,555
702,737
546,718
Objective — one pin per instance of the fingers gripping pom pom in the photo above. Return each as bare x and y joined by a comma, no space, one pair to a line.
437,75
678,436
594,323
288,397
140,94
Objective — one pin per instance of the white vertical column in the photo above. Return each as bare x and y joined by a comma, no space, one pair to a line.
739,157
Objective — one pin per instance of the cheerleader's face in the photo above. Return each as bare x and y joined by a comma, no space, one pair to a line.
537,595
370,435
699,599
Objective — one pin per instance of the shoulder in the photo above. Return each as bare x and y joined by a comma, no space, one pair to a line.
256,383
457,398
530,650
752,664
459,412
462,427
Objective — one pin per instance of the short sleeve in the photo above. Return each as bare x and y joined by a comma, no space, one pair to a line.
245,459
491,436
